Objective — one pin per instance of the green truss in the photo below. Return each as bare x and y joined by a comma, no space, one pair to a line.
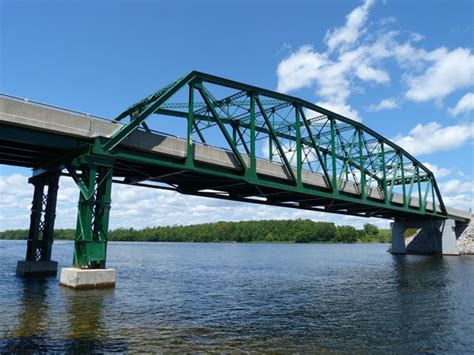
300,135
253,124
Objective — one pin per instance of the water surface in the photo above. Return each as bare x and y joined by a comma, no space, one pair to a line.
250,297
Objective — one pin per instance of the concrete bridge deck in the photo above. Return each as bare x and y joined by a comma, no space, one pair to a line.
36,117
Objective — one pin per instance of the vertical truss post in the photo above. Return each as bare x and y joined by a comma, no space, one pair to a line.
270,148
394,177
234,134
362,166
253,161
335,185
189,140
403,180
419,187
43,214
384,173
299,147
90,249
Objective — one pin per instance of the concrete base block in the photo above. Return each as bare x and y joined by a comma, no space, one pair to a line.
36,268
86,279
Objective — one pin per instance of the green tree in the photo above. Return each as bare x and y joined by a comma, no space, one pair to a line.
346,234
371,229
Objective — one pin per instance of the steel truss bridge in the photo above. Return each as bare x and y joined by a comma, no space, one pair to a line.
238,142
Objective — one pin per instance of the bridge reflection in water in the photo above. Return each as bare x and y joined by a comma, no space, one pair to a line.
42,313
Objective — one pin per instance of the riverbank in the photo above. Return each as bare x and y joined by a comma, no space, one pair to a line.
268,231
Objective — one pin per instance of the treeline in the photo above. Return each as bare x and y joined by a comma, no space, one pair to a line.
298,231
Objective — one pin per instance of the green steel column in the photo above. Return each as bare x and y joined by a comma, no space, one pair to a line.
403,181
384,173
189,141
234,134
270,148
362,166
253,161
394,177
102,205
335,185
419,187
325,159
93,217
299,162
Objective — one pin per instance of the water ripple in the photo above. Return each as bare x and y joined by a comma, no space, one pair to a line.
244,297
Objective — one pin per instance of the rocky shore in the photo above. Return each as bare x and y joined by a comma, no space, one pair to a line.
466,240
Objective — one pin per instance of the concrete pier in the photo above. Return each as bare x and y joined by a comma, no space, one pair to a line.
85,279
36,268
432,237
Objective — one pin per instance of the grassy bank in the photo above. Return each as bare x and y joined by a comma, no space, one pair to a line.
297,231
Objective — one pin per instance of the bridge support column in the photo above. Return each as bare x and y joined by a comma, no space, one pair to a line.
432,237
398,240
40,236
90,245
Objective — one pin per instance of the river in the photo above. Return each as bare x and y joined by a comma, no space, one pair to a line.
244,297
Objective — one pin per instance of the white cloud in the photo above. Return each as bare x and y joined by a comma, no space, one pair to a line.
300,69
457,186
464,105
356,53
342,109
458,193
350,32
385,104
451,72
366,73
459,201
432,137
437,171
333,76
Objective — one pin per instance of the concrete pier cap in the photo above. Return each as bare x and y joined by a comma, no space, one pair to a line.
87,279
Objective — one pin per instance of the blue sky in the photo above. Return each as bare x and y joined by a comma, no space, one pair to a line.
405,69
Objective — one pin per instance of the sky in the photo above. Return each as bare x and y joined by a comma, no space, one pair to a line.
403,68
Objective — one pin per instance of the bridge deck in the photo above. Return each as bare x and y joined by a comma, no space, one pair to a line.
48,133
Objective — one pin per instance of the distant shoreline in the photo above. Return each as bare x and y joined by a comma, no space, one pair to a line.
264,231
211,242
